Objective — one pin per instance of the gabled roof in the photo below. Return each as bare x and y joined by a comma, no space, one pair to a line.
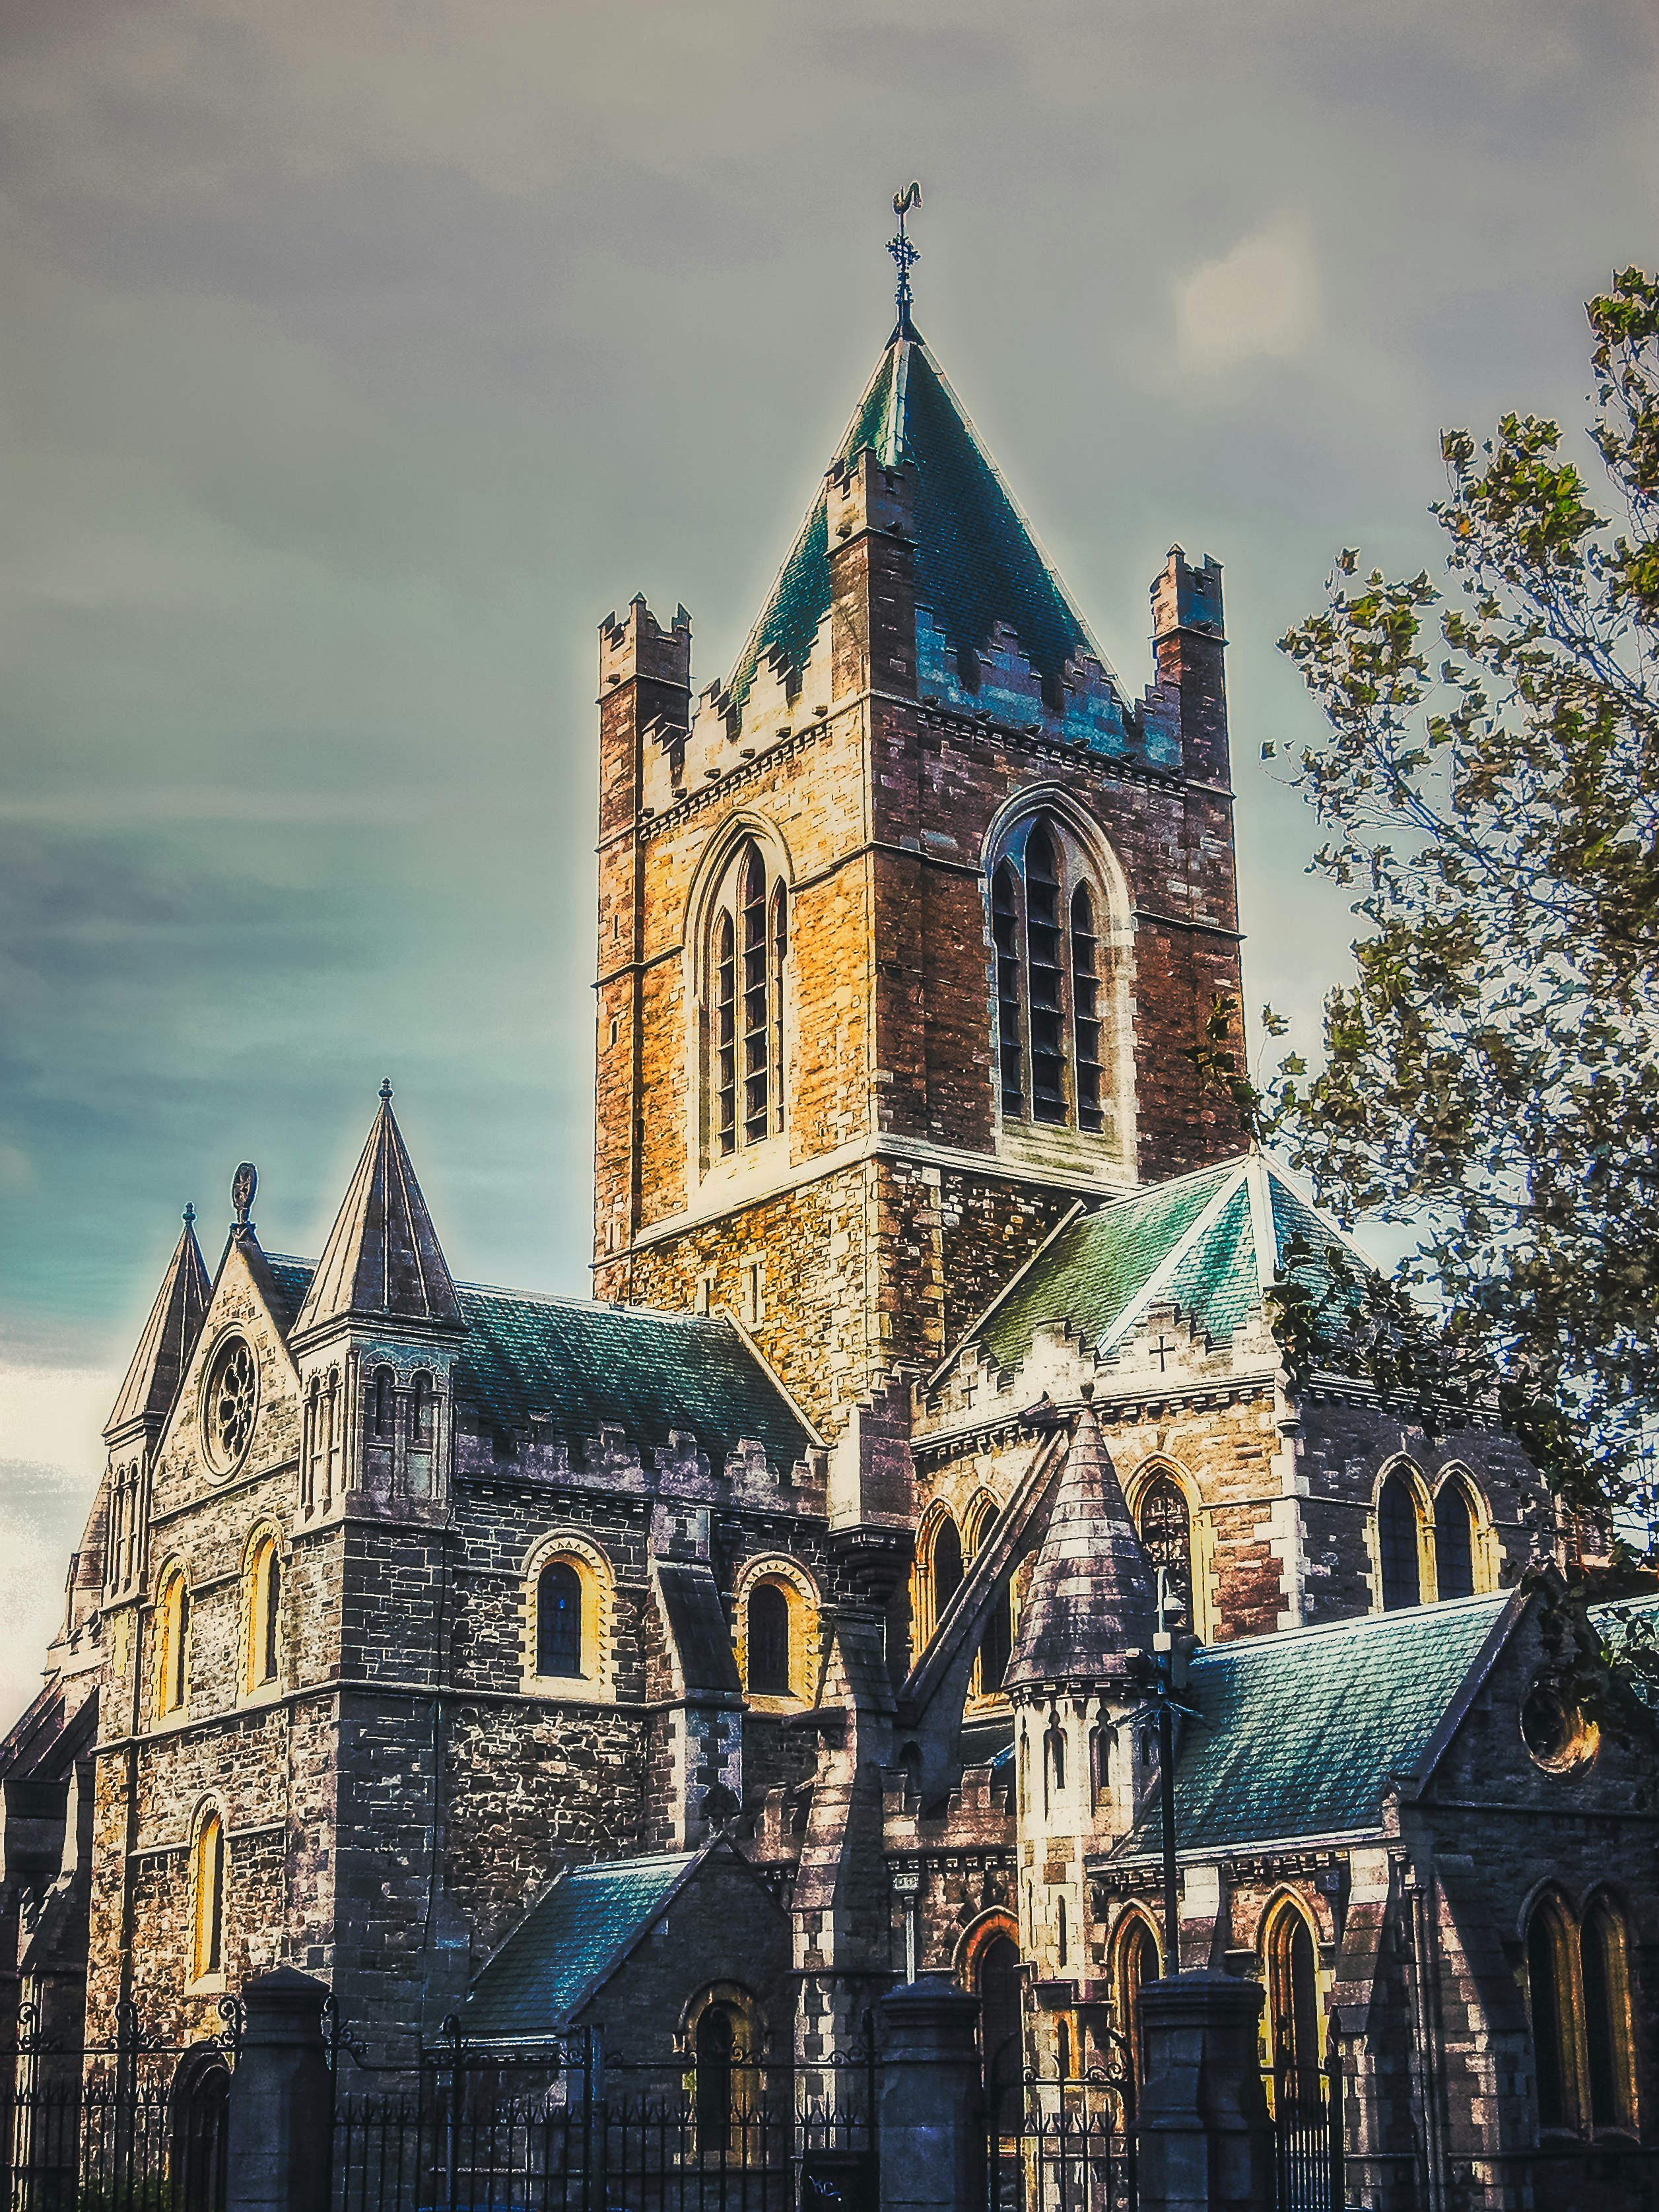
163,1351
582,1364
1090,1601
1206,1243
978,562
574,1937
1299,1733
382,1261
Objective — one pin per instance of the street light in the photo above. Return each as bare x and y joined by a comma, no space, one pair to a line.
1170,1668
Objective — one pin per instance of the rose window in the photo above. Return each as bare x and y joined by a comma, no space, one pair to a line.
233,1395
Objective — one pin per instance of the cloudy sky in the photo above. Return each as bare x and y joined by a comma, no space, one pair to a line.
357,360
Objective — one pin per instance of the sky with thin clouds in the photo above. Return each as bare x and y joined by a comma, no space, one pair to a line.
357,361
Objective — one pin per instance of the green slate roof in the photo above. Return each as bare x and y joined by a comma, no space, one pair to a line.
583,1364
568,1942
1300,1732
977,560
1198,1243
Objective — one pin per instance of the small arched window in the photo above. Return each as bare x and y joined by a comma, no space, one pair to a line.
559,1620
383,1414
1100,1766
1054,980
768,1641
1166,1537
172,1642
1609,2028
747,949
1397,1546
1062,1943
1293,2005
1053,1746
420,1411
263,1613
1554,2017
209,1944
1453,1541
996,1644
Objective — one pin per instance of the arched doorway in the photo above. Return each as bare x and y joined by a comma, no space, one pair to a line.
197,2139
1138,1963
1293,2005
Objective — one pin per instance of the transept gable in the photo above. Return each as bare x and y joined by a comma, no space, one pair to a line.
255,1423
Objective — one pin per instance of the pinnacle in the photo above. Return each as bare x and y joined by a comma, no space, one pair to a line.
157,1368
382,1261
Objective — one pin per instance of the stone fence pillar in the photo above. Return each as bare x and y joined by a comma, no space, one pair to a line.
933,2148
280,2114
1206,2140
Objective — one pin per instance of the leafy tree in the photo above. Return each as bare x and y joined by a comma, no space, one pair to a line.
1488,784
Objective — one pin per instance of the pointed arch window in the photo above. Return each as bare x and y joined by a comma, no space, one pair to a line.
1397,1545
945,1567
1555,2022
172,1642
263,1612
747,949
1054,980
1454,1541
1166,1537
1609,2039
209,1944
1138,1963
420,1411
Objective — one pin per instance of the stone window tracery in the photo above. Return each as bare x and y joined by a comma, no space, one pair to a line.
747,949
1166,1536
1053,977
229,1403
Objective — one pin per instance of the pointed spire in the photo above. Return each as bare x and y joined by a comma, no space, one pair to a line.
382,1261
1090,1599
175,1321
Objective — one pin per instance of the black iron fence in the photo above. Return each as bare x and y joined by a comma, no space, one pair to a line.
130,2125
1060,2143
1306,2104
570,2127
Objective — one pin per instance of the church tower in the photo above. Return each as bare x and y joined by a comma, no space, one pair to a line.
907,925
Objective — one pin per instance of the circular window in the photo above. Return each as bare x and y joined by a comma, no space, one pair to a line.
1556,1734
231,1400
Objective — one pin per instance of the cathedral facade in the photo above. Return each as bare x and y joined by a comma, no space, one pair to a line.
777,1610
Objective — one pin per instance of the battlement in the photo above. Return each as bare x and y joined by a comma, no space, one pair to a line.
637,645
1185,597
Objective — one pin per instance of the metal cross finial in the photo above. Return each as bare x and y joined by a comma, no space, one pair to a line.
906,253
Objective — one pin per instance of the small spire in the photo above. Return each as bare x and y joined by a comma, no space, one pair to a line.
162,1353
382,1260
385,1091
906,253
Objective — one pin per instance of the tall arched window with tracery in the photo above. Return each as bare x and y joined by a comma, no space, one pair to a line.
748,947
1056,1016
1454,1541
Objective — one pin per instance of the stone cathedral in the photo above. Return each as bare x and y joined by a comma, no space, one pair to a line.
702,1656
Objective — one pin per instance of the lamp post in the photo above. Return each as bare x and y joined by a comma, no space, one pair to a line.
1172,1654
907,1884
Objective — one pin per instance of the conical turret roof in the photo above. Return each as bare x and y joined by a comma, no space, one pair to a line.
1090,1598
158,1366
382,1261
978,562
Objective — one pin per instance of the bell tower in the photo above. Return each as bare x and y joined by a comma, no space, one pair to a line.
907,924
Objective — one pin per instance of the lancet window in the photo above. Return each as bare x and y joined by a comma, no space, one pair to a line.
1054,981
749,945
1166,1537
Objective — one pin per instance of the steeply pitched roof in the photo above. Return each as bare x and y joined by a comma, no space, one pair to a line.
382,1260
583,1364
1206,1242
1090,1601
978,562
1300,1732
158,1364
568,1942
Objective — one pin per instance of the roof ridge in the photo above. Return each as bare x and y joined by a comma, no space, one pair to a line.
1203,1221
1305,1630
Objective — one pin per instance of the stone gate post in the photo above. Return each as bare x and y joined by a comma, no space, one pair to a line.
1206,2140
280,2114
932,2139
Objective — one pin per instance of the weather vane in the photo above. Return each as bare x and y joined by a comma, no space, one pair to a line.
906,253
